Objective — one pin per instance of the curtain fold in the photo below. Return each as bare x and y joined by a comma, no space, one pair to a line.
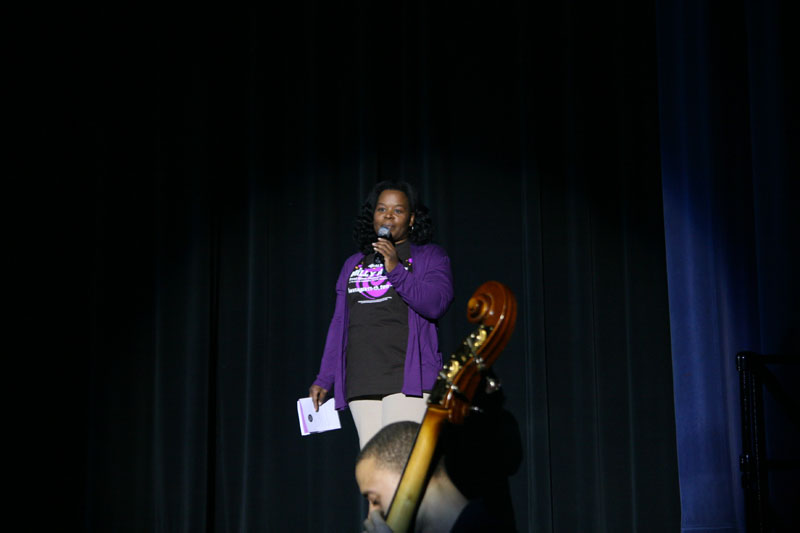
729,185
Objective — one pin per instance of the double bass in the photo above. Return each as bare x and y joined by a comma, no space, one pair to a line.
494,309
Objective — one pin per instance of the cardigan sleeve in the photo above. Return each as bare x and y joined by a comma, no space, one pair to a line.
330,357
332,354
428,289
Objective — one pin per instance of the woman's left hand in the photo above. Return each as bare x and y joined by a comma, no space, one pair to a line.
389,253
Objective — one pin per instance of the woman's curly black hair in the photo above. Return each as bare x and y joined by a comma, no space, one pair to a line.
363,230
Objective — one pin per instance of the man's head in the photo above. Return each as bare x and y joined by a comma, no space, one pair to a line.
380,464
379,468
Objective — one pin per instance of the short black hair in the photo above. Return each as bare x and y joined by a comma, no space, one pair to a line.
392,445
363,230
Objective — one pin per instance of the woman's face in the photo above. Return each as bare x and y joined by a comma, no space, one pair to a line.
393,211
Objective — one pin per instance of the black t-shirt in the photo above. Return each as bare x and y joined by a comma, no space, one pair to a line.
476,518
377,335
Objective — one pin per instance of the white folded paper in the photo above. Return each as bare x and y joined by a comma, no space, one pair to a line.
312,421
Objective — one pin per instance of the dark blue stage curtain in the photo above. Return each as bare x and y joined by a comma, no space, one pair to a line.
730,203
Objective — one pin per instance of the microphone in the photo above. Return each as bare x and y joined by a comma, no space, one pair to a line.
385,233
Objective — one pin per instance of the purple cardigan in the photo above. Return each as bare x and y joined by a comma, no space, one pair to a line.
428,291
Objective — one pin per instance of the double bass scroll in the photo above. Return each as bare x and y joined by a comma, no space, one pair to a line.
493,308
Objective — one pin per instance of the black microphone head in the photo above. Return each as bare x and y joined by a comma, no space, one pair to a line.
385,233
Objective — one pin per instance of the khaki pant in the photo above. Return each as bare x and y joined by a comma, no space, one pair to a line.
371,415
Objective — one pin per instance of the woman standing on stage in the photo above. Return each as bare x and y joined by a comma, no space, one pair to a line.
382,353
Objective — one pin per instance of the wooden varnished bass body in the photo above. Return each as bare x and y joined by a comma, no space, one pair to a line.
494,308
